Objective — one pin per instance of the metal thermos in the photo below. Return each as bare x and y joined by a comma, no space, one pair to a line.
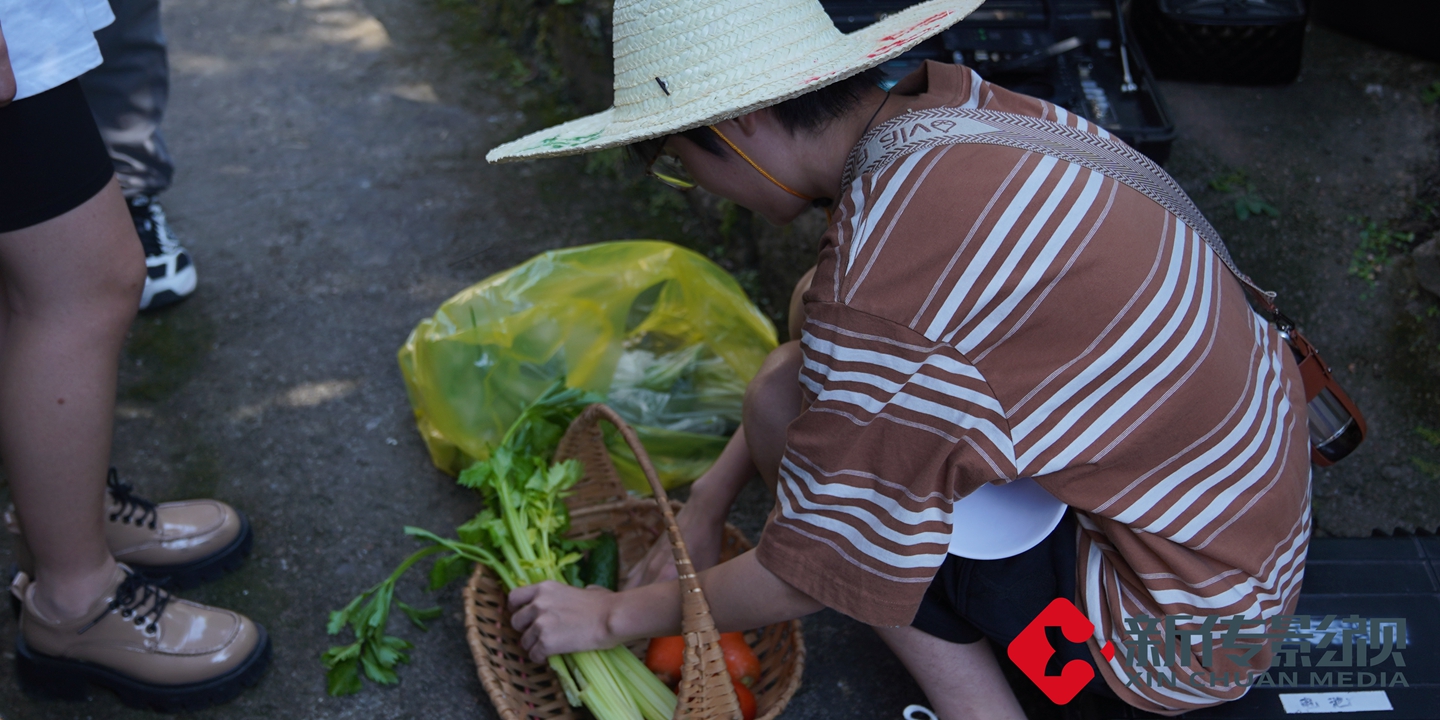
1333,431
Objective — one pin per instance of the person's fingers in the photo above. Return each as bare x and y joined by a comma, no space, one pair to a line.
522,595
522,618
534,649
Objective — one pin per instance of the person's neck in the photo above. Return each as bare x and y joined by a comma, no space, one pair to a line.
824,153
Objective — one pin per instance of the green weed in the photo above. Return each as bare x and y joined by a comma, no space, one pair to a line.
1432,469
1246,202
1429,467
749,280
1431,95
1430,435
664,202
729,218
1379,246
608,163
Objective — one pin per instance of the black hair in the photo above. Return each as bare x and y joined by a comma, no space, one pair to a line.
809,112
814,110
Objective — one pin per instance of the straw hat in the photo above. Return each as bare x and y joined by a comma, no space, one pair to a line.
682,64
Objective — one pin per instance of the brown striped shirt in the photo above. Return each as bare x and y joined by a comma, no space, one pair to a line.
982,314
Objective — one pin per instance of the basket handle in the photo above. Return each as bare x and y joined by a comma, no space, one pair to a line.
705,690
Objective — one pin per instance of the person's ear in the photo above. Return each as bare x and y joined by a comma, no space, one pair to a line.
749,123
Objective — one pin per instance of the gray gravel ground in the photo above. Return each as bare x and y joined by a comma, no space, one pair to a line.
333,191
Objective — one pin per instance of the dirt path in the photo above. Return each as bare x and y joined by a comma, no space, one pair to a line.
1348,144
333,191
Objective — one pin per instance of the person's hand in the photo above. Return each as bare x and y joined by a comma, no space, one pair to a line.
554,618
702,520
7,75
703,529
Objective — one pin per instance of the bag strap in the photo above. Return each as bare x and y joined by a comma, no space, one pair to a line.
926,129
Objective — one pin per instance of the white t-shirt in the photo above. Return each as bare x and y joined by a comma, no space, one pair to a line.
51,42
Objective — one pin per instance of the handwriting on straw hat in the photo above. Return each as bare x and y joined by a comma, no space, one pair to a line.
904,36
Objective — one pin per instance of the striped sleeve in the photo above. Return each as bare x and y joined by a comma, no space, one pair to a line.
896,430
981,313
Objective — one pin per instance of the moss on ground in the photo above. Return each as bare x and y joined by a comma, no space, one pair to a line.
162,352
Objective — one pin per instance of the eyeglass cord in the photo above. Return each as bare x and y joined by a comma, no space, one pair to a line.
785,187
759,169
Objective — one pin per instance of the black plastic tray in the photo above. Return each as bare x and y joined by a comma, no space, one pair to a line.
1086,80
1238,42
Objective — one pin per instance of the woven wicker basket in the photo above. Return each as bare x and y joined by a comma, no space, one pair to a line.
521,689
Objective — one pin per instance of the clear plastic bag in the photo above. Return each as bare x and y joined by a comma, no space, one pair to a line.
667,336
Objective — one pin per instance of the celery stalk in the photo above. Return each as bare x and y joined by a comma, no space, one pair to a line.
604,687
521,537
656,702
567,682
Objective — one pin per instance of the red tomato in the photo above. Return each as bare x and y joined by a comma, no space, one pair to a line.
664,658
747,700
740,660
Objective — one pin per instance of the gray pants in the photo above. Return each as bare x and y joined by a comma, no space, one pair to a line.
127,94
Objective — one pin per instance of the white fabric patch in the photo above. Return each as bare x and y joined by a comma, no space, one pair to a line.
52,42
1335,702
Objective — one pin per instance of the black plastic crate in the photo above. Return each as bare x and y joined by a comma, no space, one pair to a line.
1403,25
1239,42
1006,42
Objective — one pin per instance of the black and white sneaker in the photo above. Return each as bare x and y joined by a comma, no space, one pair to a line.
169,274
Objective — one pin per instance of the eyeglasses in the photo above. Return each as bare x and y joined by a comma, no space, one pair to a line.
669,170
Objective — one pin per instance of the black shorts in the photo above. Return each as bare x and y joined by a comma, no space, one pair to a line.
973,599
51,157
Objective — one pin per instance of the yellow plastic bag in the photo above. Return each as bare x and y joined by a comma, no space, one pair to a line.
666,335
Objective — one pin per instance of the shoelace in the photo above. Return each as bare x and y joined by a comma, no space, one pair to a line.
135,592
153,217
162,228
129,503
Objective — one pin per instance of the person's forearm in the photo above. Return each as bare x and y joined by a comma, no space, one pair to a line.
714,492
741,593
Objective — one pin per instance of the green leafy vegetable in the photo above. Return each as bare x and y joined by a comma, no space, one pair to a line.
373,651
520,535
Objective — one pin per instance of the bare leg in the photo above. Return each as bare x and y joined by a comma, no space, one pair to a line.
772,401
70,287
961,681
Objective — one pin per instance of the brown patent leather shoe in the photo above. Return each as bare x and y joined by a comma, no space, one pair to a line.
151,648
179,544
